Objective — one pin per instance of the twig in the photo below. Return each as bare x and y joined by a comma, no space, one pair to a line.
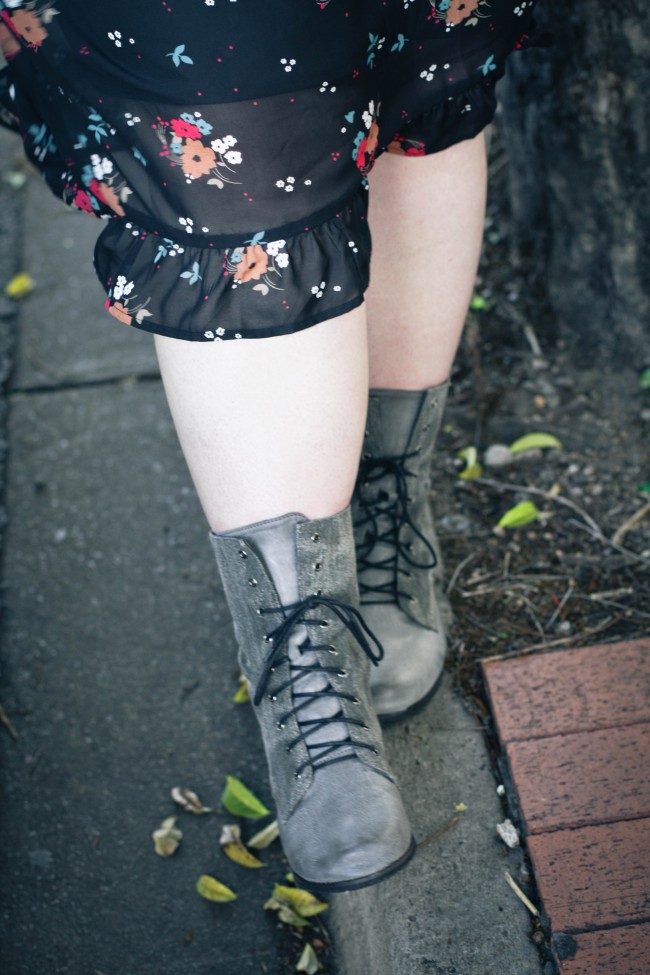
535,347
560,606
439,832
499,486
520,894
459,568
628,553
4,719
631,522
560,641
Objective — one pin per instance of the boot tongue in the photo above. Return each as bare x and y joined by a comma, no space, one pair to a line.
402,408
275,542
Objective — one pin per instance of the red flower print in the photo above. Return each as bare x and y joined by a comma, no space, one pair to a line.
185,130
82,201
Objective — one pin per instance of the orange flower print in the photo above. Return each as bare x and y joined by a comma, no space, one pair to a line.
29,26
460,10
117,310
8,43
253,264
197,159
107,195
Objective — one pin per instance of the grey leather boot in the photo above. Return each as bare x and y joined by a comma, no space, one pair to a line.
306,652
398,559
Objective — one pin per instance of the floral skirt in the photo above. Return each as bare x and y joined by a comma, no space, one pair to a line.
227,143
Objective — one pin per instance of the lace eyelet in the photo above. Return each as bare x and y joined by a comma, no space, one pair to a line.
341,673
252,582
242,554
267,638
280,725
259,612
315,537
333,651
355,700
297,775
317,566
273,697
324,624
413,599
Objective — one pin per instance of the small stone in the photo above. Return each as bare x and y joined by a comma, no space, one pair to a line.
501,790
498,455
508,833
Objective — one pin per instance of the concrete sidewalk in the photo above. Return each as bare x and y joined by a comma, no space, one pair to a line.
118,669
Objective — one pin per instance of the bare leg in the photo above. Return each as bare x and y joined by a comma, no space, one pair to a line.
426,216
270,426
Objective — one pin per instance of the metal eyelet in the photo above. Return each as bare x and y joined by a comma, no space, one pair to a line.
408,575
333,650
252,582
315,537
324,624
341,673
267,638
273,697
413,599
280,725
319,592
242,554
317,566
297,775
355,700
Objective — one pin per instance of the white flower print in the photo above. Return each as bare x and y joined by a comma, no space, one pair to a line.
286,184
122,287
131,119
318,291
223,145
288,63
102,166
429,72
233,156
369,115
115,37
282,260
209,3
355,249
520,8
188,223
274,246
325,86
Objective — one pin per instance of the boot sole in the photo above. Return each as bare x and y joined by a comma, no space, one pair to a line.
392,717
357,883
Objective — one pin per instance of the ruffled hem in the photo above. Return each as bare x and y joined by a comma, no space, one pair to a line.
261,288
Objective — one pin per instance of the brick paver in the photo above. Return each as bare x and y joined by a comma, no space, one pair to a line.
578,779
570,690
603,952
575,727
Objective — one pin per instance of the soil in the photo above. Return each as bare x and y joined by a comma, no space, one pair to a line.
580,573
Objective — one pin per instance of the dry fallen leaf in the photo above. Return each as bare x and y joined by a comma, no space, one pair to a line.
242,695
189,800
265,836
167,837
233,847
308,961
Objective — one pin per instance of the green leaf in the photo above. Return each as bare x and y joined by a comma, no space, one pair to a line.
308,961
242,696
521,514
534,441
240,801
478,303
285,913
213,890
301,901
644,379
472,469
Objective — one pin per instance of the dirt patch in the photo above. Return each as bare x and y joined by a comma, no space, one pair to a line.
581,573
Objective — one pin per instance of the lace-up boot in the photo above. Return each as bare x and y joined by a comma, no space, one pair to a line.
305,652
398,561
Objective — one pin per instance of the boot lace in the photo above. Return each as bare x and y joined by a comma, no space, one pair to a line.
382,516
295,615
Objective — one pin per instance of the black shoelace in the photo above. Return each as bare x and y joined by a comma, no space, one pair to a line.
383,516
295,615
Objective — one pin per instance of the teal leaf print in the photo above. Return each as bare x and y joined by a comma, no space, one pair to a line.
192,276
98,127
399,43
257,239
138,155
178,56
488,66
350,117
